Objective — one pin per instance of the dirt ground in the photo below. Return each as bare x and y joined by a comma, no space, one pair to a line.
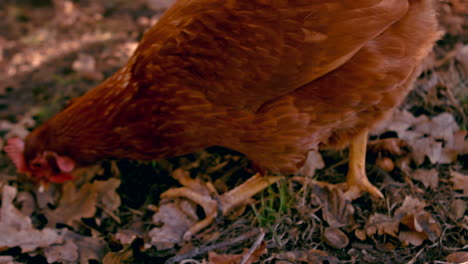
55,50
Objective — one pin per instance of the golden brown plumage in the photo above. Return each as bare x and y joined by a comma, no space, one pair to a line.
269,78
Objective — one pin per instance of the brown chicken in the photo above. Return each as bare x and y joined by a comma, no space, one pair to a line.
272,79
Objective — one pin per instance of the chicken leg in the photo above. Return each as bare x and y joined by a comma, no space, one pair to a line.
207,198
356,179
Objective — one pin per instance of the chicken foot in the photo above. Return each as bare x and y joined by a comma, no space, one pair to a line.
356,179
207,197
357,182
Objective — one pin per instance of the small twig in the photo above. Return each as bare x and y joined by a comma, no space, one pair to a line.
417,255
109,213
254,247
205,249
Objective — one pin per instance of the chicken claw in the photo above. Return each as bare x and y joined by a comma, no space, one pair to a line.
356,180
206,196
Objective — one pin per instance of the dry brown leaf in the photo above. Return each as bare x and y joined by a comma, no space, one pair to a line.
118,257
46,197
391,146
26,201
159,5
176,218
89,248
67,252
16,229
107,193
457,209
360,234
19,129
462,57
458,143
381,224
215,258
312,256
413,215
336,238
410,206
426,147
336,209
429,178
458,257
136,229
424,136
85,65
400,121
77,249
412,237
442,126
76,204
8,260
460,182
127,236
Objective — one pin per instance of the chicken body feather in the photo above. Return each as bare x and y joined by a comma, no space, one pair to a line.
269,78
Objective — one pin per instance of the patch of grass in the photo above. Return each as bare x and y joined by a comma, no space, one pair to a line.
272,205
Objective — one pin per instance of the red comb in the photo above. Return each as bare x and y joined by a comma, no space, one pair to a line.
15,151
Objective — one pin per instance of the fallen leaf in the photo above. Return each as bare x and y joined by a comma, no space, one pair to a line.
85,65
381,224
388,146
137,228
76,204
108,197
462,55
46,197
336,238
26,201
254,257
7,260
426,147
311,256
412,214
175,218
67,252
159,5
457,209
412,237
118,257
429,178
360,234
399,121
435,138
337,211
458,257
442,126
17,229
19,129
410,206
89,248
460,182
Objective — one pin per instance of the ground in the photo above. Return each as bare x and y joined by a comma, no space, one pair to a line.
52,51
